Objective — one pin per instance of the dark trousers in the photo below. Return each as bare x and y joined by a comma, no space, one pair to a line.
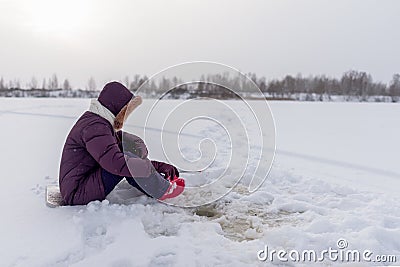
153,186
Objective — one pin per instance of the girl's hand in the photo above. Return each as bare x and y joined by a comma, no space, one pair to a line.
169,171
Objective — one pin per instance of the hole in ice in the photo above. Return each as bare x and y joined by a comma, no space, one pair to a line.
209,211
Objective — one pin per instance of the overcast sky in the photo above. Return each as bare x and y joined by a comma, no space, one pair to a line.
110,39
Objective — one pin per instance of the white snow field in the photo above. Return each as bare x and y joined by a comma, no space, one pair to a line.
336,176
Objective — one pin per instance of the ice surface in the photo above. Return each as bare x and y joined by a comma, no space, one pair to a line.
336,175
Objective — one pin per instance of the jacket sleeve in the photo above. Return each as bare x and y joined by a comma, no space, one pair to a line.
103,147
133,143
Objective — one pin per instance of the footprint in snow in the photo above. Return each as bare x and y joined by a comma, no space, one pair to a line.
38,189
165,259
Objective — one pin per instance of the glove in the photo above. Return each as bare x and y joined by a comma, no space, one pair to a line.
169,171
139,167
134,144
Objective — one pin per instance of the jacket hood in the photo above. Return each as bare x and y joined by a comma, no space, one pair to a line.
114,97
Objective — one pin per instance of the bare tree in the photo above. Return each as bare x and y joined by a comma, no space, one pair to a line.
274,87
348,83
66,85
49,84
14,84
262,84
2,85
320,87
53,82
135,83
44,84
33,83
91,86
289,84
126,81
394,88
142,80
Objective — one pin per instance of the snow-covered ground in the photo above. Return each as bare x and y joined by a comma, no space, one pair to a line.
336,175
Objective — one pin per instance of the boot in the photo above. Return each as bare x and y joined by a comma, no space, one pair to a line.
176,187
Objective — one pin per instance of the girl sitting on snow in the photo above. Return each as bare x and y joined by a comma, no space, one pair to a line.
93,162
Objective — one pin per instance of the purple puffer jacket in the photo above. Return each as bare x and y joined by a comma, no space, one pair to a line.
93,144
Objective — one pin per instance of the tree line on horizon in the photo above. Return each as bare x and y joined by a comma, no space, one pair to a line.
352,85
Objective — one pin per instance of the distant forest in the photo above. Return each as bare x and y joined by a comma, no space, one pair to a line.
352,86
